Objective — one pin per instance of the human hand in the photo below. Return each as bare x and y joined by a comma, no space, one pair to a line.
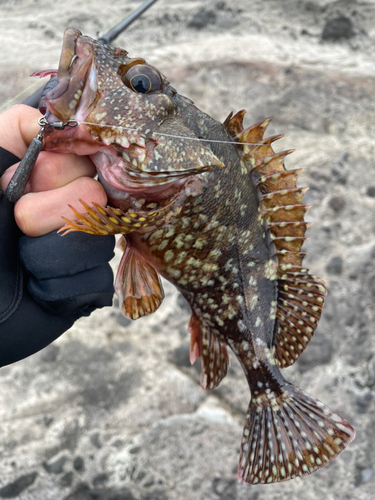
56,181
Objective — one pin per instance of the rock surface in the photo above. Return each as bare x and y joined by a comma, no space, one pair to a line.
113,410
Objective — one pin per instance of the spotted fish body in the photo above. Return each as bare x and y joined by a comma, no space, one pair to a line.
215,212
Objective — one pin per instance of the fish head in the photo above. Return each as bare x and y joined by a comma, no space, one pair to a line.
130,119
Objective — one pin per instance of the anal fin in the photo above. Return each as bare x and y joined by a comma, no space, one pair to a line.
137,285
213,353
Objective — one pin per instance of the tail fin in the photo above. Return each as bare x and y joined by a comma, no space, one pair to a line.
289,435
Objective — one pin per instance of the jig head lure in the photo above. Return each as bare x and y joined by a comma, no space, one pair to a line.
20,178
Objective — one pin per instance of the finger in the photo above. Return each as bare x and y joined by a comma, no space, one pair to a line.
53,170
19,126
40,213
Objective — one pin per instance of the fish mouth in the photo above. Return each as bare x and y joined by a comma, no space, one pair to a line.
76,89
75,93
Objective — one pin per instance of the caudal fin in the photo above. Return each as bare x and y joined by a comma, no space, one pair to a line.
289,435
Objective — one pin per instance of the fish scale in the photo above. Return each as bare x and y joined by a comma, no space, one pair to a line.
222,220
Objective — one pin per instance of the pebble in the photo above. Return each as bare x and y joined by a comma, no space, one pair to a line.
334,266
338,28
13,490
337,203
57,466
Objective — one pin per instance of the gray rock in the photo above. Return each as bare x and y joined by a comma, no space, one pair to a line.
134,450
78,464
364,402
370,191
180,356
202,19
225,488
100,479
13,490
337,203
338,28
50,353
155,495
318,352
95,440
363,476
84,492
57,466
67,479
334,266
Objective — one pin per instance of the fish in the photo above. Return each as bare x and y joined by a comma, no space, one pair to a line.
210,207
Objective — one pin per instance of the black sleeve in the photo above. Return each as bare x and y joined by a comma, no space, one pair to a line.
46,283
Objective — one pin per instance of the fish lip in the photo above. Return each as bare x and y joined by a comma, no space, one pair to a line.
63,100
68,52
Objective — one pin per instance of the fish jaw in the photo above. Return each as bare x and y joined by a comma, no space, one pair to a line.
76,89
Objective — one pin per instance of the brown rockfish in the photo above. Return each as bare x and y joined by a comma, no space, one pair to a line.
210,207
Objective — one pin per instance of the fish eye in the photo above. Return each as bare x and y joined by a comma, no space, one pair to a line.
142,79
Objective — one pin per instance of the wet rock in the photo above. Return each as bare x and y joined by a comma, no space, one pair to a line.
140,475
134,450
66,480
363,402
119,443
224,488
49,34
84,492
149,482
370,191
337,203
334,266
95,440
180,356
167,19
363,475
57,466
13,490
78,464
318,352
155,495
338,28
371,372
122,321
372,285
50,353
100,479
202,18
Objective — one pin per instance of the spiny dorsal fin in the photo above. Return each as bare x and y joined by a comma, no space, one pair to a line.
300,295
254,133
234,123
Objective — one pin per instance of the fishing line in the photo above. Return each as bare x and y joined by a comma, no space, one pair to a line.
6,103
167,135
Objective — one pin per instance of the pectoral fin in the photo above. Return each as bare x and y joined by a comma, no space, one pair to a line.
137,285
102,221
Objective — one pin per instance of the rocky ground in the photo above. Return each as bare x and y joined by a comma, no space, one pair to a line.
113,410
